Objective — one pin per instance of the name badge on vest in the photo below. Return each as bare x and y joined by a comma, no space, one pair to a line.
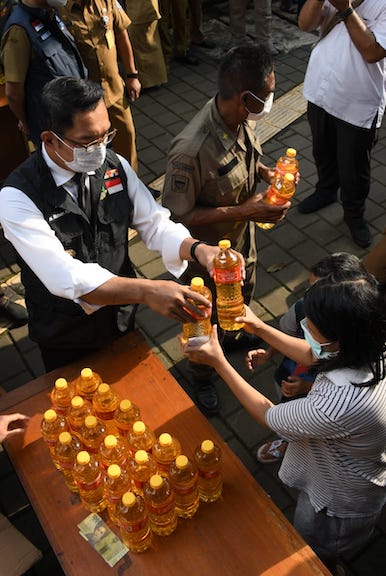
113,182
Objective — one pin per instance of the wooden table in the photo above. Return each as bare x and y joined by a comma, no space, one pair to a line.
242,534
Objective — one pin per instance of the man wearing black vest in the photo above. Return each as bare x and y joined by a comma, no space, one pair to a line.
67,210
35,48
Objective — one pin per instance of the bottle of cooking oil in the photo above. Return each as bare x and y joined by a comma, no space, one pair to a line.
61,395
184,481
134,522
141,437
165,451
105,402
141,468
199,332
125,415
208,460
51,426
89,479
79,409
160,503
280,191
227,277
92,434
67,447
112,451
116,483
287,164
87,383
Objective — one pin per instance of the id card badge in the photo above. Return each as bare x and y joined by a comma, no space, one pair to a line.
110,39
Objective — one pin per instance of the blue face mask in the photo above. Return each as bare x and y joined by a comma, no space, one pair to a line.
317,347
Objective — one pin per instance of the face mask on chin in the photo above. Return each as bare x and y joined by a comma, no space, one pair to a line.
317,347
254,116
84,160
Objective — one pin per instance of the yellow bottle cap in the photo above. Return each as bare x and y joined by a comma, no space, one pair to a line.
141,457
86,373
103,388
289,177
114,471
224,244
197,282
181,462
61,384
139,427
165,439
110,441
125,405
90,421
77,402
207,446
128,499
65,438
50,415
83,457
156,481
291,152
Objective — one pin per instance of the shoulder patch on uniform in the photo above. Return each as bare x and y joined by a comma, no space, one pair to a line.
179,183
182,166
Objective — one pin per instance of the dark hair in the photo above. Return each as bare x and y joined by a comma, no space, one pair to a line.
340,266
350,311
243,68
63,97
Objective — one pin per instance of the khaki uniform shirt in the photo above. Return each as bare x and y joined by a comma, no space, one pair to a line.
209,166
142,11
94,23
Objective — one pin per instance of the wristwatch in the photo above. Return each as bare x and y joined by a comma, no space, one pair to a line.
344,15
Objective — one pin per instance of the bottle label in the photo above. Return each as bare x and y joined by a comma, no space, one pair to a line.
113,499
90,485
105,415
186,489
159,510
227,276
136,526
209,474
66,464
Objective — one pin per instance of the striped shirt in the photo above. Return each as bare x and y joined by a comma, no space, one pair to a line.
337,443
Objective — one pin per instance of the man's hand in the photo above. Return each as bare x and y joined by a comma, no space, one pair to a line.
174,301
133,87
12,425
256,209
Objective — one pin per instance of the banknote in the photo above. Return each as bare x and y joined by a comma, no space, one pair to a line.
102,539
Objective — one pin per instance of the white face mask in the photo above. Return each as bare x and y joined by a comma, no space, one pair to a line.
317,347
266,110
84,160
56,3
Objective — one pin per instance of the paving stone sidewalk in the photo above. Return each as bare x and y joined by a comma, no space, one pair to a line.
285,256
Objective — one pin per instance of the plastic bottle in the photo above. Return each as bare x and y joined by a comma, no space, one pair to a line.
87,383
112,451
208,460
51,426
89,479
67,447
160,503
141,468
280,191
92,434
125,415
165,451
79,409
134,522
116,483
141,437
61,395
227,277
184,481
105,401
287,164
199,332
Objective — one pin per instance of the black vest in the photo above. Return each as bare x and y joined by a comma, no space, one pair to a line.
56,321
54,54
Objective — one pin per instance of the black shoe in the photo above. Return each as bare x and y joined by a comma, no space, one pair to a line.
188,59
15,312
359,231
239,340
206,397
315,202
205,44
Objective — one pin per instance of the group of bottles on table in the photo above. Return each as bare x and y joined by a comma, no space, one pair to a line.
114,460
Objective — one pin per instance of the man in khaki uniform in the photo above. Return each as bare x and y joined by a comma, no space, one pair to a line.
214,166
100,31
146,42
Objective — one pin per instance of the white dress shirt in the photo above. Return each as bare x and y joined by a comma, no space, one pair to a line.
25,227
338,78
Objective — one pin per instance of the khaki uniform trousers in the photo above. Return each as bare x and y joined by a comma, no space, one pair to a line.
149,57
174,12
263,21
124,141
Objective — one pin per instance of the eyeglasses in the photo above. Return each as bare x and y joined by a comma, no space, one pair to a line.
92,146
